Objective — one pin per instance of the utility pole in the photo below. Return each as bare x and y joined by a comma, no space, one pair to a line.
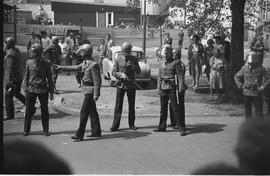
144,28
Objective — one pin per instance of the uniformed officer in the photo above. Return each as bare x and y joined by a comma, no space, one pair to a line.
182,70
170,74
53,56
13,76
91,90
250,80
124,69
37,82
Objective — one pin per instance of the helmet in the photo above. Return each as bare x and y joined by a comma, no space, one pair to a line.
10,42
87,48
54,40
177,53
252,58
126,46
37,49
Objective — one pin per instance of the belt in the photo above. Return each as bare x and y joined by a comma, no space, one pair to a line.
88,83
37,86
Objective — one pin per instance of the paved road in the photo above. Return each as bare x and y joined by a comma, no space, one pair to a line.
212,135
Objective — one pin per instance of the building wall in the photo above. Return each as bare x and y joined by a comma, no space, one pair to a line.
126,18
88,19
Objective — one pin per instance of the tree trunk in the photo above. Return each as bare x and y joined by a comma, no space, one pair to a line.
232,94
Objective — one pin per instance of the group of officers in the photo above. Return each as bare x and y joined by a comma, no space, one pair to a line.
38,82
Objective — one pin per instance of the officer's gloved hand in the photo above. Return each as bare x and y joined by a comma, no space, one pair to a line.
59,68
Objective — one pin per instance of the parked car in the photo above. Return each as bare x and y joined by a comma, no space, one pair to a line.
144,78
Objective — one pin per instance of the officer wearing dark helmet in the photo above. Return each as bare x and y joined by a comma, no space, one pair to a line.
250,80
53,56
91,89
176,54
171,83
13,76
37,83
124,69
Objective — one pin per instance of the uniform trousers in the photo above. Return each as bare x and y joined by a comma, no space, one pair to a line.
131,94
9,99
181,106
165,96
89,109
30,103
258,104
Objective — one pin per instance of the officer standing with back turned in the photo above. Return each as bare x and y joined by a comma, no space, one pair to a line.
171,86
124,69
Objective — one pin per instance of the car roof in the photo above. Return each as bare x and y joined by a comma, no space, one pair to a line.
118,48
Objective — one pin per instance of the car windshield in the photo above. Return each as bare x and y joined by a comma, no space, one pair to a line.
137,54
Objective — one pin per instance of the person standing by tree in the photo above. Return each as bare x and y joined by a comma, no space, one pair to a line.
13,76
208,53
124,69
217,75
195,58
91,89
37,82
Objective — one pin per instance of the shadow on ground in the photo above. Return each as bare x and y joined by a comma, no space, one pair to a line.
205,128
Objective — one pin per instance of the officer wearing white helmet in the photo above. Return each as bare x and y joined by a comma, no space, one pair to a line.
13,79
253,79
124,69
37,82
171,87
91,89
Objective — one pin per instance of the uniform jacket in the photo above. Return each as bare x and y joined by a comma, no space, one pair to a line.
91,76
37,77
166,75
53,54
130,67
13,66
251,79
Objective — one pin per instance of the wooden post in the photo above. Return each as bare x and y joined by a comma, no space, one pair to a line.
144,28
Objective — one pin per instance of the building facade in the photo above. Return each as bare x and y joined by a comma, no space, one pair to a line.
94,14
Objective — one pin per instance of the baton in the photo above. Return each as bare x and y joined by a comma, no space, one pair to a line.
176,84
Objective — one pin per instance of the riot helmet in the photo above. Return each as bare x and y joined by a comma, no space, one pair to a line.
126,48
37,50
86,50
10,42
176,52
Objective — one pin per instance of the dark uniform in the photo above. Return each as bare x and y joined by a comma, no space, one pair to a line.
13,78
167,90
37,82
77,60
181,69
91,89
251,81
129,66
53,56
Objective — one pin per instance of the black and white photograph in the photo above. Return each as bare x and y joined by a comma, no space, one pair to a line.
135,87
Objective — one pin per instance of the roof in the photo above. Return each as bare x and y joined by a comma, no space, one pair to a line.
90,3
8,7
118,48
